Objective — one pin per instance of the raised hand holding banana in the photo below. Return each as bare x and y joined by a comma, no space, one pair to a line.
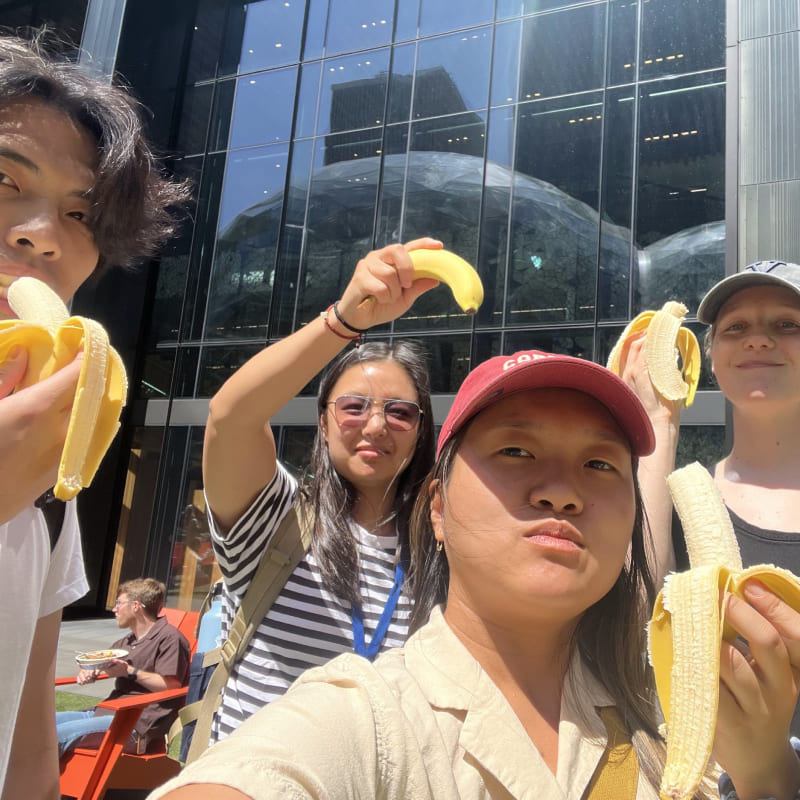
52,340
665,338
388,281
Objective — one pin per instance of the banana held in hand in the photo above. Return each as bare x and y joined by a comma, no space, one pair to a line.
665,335
688,626
53,339
459,275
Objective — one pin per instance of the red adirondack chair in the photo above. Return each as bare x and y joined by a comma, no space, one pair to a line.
87,774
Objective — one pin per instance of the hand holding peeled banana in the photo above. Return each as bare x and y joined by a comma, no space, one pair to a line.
386,282
89,402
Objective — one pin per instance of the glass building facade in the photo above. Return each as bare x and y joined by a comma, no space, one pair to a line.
574,152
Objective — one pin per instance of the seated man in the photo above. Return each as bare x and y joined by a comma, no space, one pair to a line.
158,659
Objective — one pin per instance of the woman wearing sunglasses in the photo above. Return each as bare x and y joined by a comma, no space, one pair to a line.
373,447
526,676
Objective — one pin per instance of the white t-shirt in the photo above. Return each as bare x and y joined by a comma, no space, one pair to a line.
34,583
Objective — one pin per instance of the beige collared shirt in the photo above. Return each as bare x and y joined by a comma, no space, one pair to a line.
421,723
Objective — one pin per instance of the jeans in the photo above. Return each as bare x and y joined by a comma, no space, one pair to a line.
73,726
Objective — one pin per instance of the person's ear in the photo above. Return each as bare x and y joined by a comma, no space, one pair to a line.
436,509
323,426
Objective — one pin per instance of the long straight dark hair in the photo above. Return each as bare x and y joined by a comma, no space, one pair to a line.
332,497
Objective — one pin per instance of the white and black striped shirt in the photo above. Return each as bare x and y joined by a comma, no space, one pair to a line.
307,625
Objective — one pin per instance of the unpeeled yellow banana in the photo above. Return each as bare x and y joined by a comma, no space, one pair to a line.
458,274
53,339
665,335
688,626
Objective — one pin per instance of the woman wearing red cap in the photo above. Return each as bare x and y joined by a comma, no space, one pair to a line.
532,590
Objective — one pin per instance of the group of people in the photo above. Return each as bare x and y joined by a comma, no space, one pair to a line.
483,598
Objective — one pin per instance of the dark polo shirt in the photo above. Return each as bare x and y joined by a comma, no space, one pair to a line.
165,650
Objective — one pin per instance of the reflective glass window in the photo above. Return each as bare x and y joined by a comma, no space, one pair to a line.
300,174
563,52
295,444
577,342
680,36
249,222
263,108
287,271
205,229
358,25
453,73
680,208
534,6
448,358
401,81
405,26
613,282
353,92
317,17
217,364
555,224
437,17
306,118
156,379
623,22
224,96
263,34
341,212
194,119
495,214
505,63
206,44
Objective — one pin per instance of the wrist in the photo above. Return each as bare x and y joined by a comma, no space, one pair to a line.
335,325
133,673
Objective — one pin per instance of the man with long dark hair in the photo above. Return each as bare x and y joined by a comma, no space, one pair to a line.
79,190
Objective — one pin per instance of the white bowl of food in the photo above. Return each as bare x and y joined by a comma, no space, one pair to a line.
98,659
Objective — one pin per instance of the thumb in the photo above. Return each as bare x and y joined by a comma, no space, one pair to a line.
12,369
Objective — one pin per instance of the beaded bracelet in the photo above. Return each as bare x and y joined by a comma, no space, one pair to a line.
358,338
359,331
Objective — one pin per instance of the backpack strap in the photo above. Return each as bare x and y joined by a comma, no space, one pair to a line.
617,773
283,553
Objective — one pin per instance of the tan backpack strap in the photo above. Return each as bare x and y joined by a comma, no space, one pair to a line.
284,552
617,773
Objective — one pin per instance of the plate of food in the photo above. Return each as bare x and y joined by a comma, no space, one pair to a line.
98,659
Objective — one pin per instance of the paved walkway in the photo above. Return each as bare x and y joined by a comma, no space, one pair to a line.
78,636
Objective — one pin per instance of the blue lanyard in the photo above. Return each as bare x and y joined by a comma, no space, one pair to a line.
357,617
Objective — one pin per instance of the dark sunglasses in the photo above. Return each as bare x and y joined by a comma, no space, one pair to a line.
351,410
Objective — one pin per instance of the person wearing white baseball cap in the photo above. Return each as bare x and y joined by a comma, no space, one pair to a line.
524,676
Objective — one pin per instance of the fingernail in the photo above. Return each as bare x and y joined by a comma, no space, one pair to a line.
755,588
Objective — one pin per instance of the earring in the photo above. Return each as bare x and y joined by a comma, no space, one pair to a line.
438,547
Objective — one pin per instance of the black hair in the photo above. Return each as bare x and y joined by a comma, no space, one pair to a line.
132,204
332,496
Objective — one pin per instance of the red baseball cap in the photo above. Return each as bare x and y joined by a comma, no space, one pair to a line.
532,369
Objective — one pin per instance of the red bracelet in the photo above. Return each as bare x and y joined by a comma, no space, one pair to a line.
324,314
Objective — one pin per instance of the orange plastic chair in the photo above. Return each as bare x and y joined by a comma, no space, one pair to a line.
87,774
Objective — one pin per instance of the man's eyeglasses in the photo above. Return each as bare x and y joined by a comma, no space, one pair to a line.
121,603
352,410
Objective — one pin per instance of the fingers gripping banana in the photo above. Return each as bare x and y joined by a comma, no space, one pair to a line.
458,274
665,335
53,339
688,626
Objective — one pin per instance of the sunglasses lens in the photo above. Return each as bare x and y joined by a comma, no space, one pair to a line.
351,409
401,415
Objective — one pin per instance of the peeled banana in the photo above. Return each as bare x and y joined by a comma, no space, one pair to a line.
665,335
458,274
53,339
688,625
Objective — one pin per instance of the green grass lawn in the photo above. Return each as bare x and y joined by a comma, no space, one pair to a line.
68,701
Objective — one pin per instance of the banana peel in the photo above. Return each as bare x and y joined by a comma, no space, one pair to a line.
688,626
665,338
53,339
458,274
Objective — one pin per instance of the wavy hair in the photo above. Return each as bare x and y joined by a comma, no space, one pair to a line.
133,206
147,591
332,497
610,636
